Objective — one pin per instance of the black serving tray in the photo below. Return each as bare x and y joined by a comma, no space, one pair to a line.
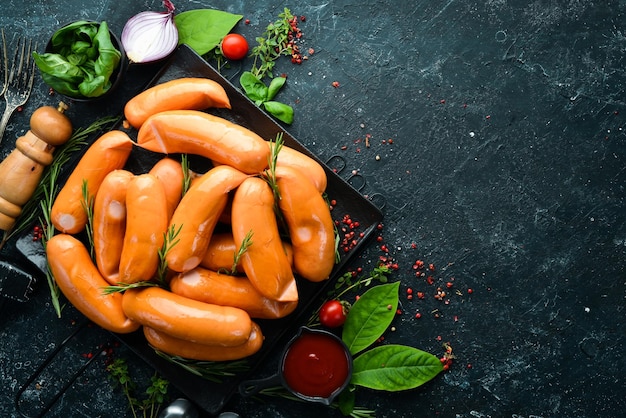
209,395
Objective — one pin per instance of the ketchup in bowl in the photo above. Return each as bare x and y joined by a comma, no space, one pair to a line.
316,365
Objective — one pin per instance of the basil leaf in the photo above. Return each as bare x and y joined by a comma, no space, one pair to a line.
275,85
73,32
370,316
58,73
203,29
254,88
63,86
99,80
280,111
394,368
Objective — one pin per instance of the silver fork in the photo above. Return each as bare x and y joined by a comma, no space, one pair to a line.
5,70
20,81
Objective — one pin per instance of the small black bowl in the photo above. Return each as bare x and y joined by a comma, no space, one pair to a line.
118,74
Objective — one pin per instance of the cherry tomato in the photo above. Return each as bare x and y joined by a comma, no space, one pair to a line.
234,46
332,314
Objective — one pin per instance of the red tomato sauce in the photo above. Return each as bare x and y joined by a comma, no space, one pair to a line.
316,365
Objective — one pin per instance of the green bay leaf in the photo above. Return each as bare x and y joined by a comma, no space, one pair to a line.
203,29
394,367
370,316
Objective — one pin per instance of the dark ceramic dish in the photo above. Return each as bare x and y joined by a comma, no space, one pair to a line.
117,76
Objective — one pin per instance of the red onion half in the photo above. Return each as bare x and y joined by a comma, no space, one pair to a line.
150,36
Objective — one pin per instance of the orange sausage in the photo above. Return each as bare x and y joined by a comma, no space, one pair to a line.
220,255
178,94
186,318
170,172
221,289
107,153
198,213
146,224
293,158
310,224
195,351
264,261
109,223
199,133
81,283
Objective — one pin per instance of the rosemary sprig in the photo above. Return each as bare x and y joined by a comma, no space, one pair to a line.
87,203
270,175
169,241
184,162
214,371
122,287
49,192
245,244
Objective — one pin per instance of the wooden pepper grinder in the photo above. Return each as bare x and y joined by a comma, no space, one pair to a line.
21,170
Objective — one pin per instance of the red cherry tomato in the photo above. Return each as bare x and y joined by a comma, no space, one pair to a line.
332,314
234,46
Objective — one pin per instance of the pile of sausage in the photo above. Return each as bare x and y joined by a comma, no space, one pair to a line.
207,307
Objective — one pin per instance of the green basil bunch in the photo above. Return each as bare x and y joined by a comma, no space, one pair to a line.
263,95
82,60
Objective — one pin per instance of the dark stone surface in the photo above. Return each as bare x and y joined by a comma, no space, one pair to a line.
506,171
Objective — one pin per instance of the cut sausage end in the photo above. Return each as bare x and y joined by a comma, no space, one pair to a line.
66,223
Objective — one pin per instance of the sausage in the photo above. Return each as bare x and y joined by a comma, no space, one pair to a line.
107,153
311,227
81,283
192,93
187,319
197,214
264,261
146,225
293,158
109,223
199,133
220,254
203,352
170,172
222,289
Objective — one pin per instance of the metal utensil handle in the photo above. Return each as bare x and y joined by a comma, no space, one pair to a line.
252,387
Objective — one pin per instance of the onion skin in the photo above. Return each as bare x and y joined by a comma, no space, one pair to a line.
150,36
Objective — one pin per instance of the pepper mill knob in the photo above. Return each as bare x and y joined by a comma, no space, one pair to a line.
21,170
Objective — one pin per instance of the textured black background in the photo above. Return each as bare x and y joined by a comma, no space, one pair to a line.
506,171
